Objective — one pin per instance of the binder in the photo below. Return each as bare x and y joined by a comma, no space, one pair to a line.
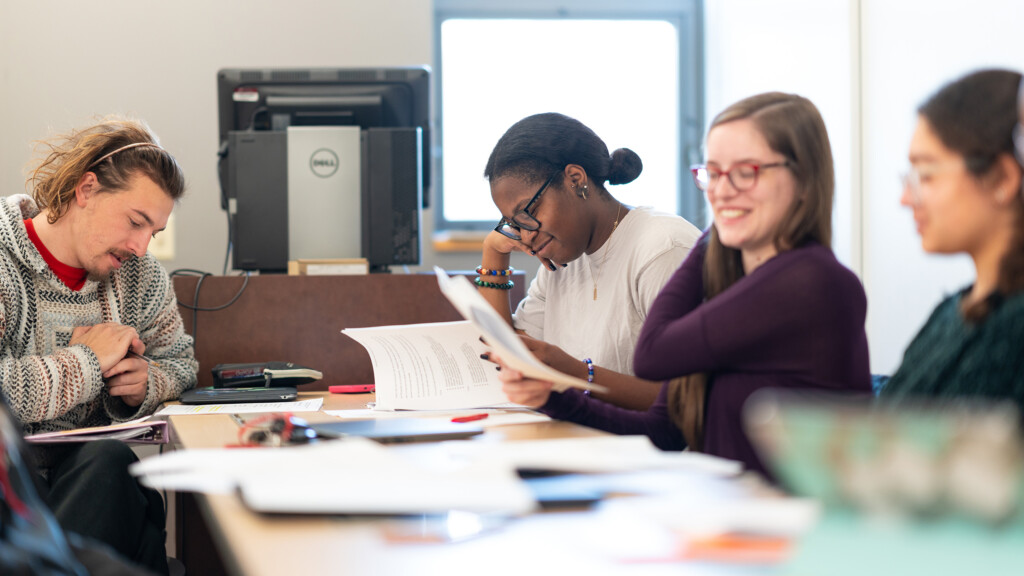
136,432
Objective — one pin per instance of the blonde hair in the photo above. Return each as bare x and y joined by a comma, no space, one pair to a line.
115,150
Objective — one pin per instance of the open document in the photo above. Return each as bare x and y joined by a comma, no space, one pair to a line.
430,366
437,366
500,336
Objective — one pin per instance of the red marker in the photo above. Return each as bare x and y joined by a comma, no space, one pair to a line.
470,418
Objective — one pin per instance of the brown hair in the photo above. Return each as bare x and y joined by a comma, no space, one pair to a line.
66,158
793,127
975,116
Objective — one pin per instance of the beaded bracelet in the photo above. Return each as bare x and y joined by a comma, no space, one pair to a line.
503,286
487,272
590,369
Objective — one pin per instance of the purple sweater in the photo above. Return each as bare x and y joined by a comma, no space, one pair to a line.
796,322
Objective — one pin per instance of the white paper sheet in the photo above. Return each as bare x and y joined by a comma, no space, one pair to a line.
592,455
500,336
308,405
353,476
494,417
429,366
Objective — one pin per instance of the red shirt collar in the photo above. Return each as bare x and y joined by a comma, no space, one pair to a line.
73,278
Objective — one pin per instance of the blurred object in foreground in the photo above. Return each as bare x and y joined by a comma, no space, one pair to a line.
925,462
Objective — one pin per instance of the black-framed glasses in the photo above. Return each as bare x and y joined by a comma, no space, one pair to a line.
742,176
523,219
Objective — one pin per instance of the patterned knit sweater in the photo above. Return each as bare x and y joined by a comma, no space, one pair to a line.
952,359
52,386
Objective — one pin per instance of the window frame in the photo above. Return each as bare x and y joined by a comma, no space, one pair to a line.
688,18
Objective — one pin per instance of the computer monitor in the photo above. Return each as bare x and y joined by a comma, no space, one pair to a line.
301,149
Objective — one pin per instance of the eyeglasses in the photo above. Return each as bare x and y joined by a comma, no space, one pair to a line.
743,176
523,219
911,180
915,176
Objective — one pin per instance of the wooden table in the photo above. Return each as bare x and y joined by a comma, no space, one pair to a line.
274,545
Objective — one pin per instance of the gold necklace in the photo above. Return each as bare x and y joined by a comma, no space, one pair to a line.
590,261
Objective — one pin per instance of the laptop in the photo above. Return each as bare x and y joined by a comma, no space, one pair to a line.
394,430
239,395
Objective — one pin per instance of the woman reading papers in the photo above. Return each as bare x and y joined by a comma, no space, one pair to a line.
603,263
760,302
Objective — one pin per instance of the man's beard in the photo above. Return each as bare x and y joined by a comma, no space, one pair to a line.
123,255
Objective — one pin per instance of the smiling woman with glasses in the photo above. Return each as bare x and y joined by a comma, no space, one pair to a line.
966,190
602,262
761,302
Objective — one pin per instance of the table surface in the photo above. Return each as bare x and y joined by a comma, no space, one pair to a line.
257,544
590,541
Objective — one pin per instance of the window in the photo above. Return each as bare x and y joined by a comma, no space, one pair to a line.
632,77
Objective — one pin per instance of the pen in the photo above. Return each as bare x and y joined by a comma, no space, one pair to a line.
143,357
470,418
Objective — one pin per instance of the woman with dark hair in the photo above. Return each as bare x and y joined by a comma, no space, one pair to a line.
761,302
965,189
603,263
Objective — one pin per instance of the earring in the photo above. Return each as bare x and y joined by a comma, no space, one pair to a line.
583,191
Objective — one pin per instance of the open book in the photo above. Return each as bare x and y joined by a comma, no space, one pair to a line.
430,366
438,366
141,431
500,336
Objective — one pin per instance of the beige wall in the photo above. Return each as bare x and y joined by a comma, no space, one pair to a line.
867,63
64,62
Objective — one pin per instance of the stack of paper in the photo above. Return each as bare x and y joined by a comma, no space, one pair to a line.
354,476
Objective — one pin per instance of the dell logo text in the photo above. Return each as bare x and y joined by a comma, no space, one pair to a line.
324,163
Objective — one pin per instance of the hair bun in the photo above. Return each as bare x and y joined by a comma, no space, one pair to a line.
625,166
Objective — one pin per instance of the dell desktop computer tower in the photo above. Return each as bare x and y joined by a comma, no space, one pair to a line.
325,192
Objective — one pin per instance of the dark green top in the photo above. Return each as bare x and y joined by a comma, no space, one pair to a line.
951,358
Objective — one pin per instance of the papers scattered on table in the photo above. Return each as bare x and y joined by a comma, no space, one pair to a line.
308,405
592,455
141,431
354,476
494,417
358,476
